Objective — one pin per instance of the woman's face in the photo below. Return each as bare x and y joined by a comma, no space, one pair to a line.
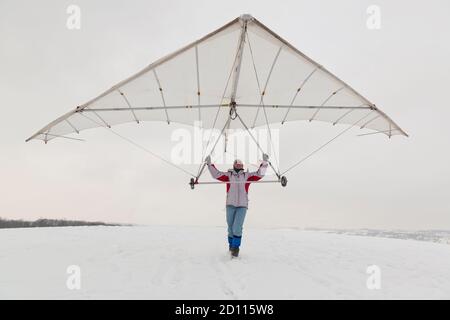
238,165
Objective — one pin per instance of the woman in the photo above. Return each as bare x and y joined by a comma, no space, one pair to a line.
238,183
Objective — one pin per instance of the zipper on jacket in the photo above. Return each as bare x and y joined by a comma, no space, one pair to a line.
236,188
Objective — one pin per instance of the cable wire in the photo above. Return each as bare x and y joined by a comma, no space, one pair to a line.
138,145
326,143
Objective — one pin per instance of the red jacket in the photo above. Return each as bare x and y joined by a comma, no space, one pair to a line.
237,189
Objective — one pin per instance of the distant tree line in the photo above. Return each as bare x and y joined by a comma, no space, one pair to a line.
6,223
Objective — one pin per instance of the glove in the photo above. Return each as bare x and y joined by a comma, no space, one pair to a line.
265,157
208,160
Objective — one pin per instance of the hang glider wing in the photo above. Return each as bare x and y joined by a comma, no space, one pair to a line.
243,64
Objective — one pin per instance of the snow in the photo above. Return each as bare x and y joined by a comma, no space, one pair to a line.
174,262
439,236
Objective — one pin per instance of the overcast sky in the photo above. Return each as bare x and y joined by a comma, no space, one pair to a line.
357,182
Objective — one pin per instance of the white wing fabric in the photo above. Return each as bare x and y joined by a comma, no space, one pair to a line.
243,62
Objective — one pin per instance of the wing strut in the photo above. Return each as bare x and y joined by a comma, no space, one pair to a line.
257,144
195,181
162,95
261,101
234,115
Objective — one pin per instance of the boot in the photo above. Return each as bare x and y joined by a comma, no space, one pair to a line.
230,242
235,244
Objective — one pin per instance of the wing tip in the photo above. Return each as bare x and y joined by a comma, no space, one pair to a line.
29,139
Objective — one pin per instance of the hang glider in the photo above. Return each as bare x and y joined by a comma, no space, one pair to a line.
242,75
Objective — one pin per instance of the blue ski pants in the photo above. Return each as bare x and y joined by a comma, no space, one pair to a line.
235,222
